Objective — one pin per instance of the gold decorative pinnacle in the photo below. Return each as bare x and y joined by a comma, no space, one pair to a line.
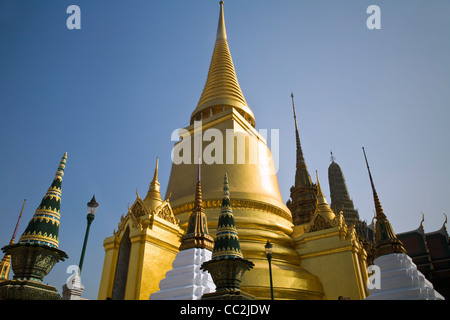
222,86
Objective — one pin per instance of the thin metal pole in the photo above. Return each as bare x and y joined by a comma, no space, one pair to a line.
90,218
269,257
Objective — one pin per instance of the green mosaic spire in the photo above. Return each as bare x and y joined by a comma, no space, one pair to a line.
43,227
226,243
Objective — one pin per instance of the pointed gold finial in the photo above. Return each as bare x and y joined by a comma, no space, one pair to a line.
222,87
153,198
322,207
319,189
155,174
221,31
423,219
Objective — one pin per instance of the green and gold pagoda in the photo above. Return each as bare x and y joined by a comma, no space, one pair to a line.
37,251
227,265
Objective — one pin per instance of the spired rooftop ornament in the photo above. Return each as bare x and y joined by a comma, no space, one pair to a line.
185,281
227,265
43,228
226,244
197,234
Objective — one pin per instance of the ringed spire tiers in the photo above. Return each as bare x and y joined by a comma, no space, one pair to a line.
222,88
43,228
304,192
197,234
226,244
340,197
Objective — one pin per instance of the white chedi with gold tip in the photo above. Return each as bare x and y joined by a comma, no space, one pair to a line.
186,281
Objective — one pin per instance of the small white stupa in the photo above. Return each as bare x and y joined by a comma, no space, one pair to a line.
185,281
399,278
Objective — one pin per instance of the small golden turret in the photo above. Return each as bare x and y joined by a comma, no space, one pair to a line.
153,198
322,207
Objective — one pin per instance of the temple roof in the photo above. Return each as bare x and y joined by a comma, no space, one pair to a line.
434,244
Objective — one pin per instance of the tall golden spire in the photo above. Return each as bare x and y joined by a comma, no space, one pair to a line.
386,241
222,87
153,198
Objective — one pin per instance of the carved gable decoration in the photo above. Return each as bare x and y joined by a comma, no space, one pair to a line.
138,208
320,223
165,212
128,220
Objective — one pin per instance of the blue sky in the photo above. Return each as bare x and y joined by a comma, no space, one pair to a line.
111,93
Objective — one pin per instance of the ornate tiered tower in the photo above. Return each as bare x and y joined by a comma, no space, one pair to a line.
341,202
386,241
304,191
197,234
399,278
227,265
37,250
228,142
340,198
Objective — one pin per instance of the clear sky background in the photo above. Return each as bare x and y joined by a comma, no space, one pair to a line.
111,94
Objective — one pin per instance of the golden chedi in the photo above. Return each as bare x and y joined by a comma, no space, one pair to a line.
222,136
